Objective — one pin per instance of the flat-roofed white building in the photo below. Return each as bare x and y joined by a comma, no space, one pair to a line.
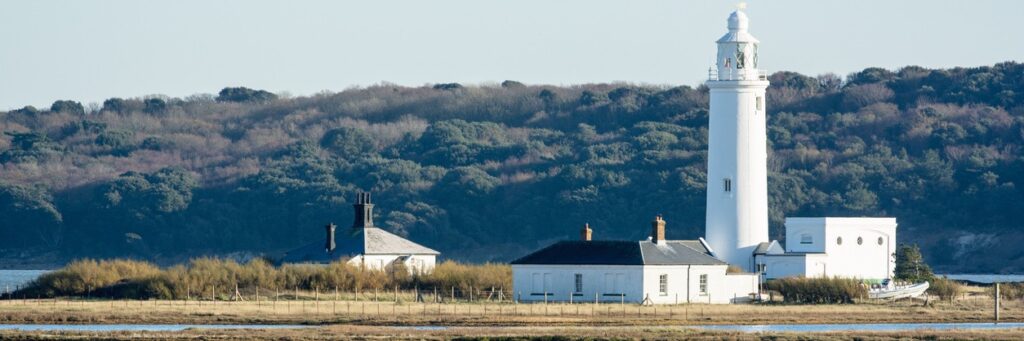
832,247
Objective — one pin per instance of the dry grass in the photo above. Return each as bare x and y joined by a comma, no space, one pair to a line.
510,333
309,310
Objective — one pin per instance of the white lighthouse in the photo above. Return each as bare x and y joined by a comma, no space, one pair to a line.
737,188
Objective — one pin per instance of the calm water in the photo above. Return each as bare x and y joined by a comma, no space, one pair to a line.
866,327
139,327
985,278
11,279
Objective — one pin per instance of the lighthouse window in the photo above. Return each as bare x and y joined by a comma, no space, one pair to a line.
741,56
839,241
760,103
727,185
880,241
860,241
728,63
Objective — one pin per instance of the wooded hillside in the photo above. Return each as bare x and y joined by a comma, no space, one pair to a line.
491,172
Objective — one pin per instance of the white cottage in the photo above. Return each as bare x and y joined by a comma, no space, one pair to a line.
365,245
653,271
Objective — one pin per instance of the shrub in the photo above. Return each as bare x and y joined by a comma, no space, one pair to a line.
141,280
944,288
818,290
1009,291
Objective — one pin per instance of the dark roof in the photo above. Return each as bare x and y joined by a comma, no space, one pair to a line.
622,252
356,241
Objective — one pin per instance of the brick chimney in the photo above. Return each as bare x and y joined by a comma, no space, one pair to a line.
586,233
364,211
658,230
329,245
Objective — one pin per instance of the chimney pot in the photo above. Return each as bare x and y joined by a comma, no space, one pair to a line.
363,211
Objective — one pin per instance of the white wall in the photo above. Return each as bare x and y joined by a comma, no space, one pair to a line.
637,282
872,258
737,220
607,282
825,256
795,265
684,284
415,263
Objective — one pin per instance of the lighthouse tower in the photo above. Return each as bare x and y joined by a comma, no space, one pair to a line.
737,189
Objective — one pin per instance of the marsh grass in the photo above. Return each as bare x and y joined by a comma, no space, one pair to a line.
219,278
818,290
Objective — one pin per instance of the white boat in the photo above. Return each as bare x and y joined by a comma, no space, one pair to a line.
890,290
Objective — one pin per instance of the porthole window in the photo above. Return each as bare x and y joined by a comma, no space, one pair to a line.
839,241
860,241
881,241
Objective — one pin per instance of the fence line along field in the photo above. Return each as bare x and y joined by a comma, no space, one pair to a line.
402,307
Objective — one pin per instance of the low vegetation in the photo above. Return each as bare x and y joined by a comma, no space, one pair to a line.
1010,291
142,280
944,288
819,290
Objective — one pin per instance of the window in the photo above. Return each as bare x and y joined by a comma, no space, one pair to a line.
860,241
727,184
806,239
760,103
728,63
663,285
839,241
881,241
704,284
579,283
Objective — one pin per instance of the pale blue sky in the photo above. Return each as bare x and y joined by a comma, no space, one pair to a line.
92,50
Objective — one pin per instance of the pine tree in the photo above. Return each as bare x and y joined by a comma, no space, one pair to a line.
910,265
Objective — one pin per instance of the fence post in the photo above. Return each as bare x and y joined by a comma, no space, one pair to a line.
997,302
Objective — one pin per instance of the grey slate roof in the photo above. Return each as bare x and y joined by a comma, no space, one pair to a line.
357,241
621,252
769,248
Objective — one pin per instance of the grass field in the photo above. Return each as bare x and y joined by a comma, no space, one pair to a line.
357,332
326,310
375,316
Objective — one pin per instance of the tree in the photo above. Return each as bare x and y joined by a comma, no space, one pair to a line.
28,217
154,105
115,105
243,94
348,142
512,84
910,265
447,86
70,107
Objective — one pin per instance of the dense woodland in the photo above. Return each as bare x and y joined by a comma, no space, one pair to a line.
490,172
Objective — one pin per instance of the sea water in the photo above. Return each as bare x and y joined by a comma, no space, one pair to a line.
13,279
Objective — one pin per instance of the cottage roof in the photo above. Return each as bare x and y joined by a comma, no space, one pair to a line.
357,241
622,252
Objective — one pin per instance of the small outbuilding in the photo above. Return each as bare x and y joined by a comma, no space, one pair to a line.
652,271
365,245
